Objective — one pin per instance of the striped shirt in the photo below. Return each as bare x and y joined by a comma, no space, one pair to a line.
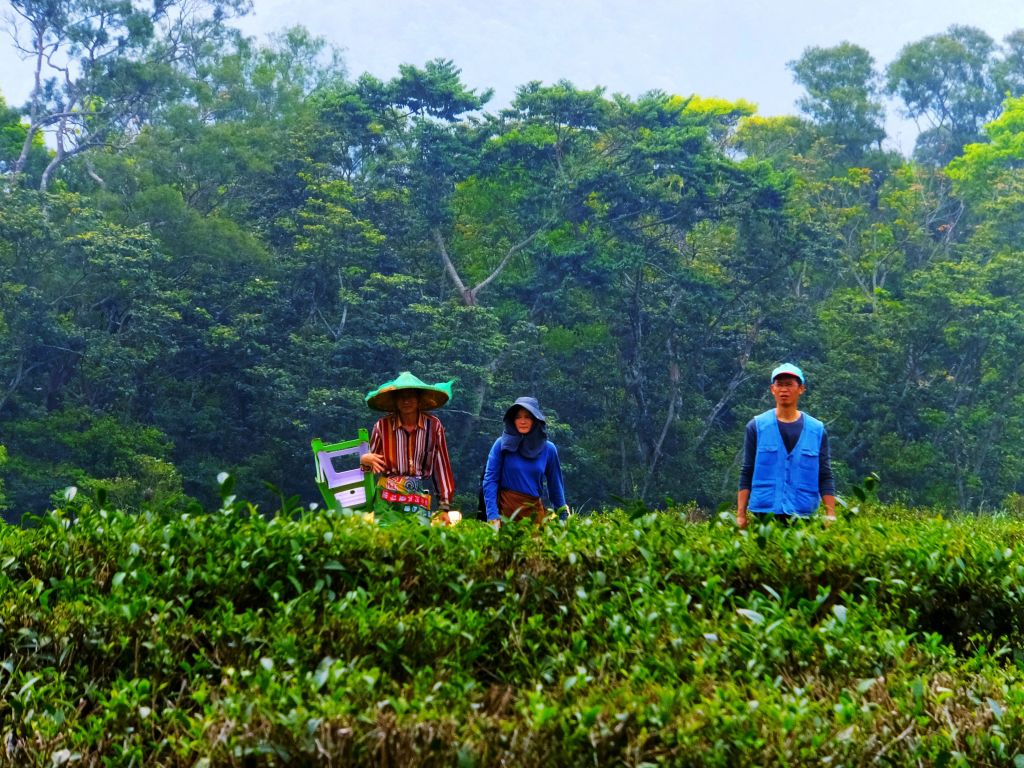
421,453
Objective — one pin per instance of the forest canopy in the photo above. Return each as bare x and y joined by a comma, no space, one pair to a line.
211,248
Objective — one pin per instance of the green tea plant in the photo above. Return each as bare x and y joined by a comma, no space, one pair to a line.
181,637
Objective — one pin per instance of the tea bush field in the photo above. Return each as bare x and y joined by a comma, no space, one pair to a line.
224,638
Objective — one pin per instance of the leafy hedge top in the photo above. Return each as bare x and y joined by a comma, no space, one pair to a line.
228,636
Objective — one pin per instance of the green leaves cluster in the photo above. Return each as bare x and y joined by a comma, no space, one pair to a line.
262,238
170,638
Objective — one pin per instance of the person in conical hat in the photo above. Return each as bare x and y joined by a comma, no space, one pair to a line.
519,464
408,449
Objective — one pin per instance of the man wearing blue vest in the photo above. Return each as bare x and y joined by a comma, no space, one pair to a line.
786,470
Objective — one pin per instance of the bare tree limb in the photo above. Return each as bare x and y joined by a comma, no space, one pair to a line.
738,378
469,294
673,375
450,268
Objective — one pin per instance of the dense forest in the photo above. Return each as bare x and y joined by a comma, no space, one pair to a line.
212,248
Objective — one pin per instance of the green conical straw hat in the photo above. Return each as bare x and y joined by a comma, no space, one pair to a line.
431,395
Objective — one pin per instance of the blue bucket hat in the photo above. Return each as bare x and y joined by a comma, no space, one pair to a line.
529,403
788,369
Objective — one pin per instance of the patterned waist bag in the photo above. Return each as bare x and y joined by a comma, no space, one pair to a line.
404,493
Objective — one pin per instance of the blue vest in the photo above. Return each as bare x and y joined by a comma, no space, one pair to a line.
786,483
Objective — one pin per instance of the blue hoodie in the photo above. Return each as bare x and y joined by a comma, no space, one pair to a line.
523,462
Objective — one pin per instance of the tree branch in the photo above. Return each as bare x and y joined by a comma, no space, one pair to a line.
673,375
511,252
737,379
469,294
450,269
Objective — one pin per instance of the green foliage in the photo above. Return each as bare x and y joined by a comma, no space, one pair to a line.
3,495
262,239
864,494
946,79
106,66
129,462
13,133
980,173
176,638
843,95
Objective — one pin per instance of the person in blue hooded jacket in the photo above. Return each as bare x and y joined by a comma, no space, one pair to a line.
786,472
518,465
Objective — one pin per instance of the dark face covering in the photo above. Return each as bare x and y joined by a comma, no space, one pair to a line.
531,444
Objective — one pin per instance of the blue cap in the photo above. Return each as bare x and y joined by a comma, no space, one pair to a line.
788,368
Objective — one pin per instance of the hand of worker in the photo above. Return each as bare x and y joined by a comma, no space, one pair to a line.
371,462
442,514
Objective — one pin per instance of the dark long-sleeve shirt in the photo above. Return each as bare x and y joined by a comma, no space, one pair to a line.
790,432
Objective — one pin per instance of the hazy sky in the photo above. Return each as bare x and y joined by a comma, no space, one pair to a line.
726,48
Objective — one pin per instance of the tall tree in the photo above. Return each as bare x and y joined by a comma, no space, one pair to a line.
101,67
946,84
843,95
1008,72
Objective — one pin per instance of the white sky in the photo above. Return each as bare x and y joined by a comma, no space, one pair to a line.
733,49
